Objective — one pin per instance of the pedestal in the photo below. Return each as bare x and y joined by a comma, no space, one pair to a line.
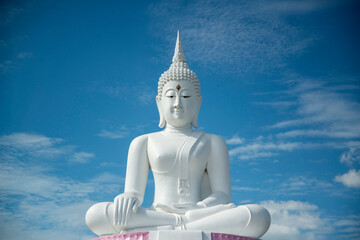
173,235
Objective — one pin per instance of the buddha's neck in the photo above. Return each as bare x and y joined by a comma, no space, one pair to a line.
171,130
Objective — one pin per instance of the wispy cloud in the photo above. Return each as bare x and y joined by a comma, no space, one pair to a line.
6,66
115,133
246,189
81,157
35,200
262,149
42,204
28,141
122,131
278,104
303,185
40,146
349,227
32,144
8,12
296,7
10,64
324,111
351,157
136,93
24,55
294,186
244,34
235,140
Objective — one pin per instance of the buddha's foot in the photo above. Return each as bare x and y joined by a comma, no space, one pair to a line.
196,214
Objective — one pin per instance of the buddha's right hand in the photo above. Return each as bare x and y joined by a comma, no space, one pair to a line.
124,205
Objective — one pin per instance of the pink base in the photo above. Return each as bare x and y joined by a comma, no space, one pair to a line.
223,236
145,236
126,236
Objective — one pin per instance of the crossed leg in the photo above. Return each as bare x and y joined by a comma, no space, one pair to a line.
247,220
99,219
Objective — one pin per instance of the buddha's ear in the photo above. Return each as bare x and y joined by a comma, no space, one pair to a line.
162,119
195,120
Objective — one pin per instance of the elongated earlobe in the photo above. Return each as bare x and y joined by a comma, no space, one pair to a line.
195,120
162,119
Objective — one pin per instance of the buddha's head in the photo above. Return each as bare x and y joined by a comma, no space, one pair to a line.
178,98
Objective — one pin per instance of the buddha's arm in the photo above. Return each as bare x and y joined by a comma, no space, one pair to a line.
136,177
137,169
218,168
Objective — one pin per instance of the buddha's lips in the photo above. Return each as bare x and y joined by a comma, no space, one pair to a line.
178,111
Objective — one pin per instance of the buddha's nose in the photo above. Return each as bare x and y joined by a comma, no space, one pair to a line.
177,102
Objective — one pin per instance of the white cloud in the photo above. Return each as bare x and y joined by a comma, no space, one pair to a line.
235,140
350,179
122,132
246,189
279,104
260,149
12,10
116,134
40,146
44,205
129,91
329,107
223,33
327,112
302,185
6,66
36,201
296,7
34,144
351,157
112,165
288,123
28,141
82,157
349,226
294,220
24,55
318,133
107,178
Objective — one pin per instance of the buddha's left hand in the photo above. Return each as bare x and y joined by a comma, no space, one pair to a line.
179,208
188,205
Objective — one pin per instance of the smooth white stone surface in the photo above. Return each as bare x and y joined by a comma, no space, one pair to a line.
191,172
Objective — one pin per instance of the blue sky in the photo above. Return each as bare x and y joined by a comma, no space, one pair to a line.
279,80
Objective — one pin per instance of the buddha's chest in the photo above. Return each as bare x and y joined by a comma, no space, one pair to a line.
164,153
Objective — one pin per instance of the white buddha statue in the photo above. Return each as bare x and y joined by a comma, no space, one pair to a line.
191,172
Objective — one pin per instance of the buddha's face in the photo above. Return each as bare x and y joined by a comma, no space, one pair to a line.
179,104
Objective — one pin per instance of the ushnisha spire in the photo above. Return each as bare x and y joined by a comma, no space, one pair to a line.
179,70
179,52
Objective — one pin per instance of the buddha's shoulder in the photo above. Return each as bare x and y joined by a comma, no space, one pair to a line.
145,137
215,139
208,137
142,139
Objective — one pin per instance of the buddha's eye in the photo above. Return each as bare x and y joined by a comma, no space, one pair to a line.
185,94
170,94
